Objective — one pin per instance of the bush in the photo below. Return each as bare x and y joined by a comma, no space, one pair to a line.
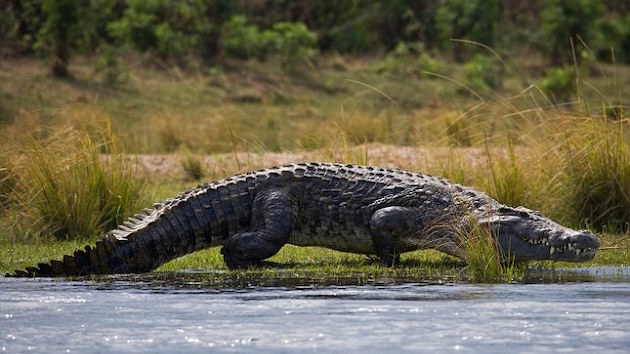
170,42
484,73
8,25
405,59
563,21
291,43
428,63
559,83
474,20
351,39
613,34
136,28
94,17
242,40
169,29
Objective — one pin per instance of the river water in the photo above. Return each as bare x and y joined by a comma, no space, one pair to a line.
573,310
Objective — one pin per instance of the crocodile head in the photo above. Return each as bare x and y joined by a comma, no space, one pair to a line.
525,234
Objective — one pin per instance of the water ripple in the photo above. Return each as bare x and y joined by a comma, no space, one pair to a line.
43,315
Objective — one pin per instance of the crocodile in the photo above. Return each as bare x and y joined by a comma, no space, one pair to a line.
350,208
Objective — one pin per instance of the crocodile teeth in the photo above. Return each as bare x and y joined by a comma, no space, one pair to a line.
578,251
531,241
552,250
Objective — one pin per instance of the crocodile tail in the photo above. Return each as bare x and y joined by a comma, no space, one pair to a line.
141,244
81,262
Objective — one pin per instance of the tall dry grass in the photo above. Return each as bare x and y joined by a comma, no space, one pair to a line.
594,161
73,184
570,159
8,181
576,169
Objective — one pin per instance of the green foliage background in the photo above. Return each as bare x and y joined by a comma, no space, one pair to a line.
181,32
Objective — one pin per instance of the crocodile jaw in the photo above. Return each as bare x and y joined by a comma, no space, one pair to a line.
571,246
524,235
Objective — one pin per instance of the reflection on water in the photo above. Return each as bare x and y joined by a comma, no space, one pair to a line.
593,274
579,309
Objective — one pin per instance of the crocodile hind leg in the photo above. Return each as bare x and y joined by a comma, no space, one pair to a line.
271,225
388,226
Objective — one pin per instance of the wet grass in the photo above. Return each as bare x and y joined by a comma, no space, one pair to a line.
304,265
311,263
18,255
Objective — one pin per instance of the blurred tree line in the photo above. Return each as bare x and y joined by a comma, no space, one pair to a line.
295,31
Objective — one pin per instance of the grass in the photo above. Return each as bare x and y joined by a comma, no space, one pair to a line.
598,174
65,187
193,166
570,161
8,180
162,111
483,257
18,255
323,265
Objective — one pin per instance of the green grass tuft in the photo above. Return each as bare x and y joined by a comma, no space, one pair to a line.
485,263
67,189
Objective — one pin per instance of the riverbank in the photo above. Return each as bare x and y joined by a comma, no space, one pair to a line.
295,265
164,131
167,176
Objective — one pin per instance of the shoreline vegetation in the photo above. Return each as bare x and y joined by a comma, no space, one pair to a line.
156,97
494,169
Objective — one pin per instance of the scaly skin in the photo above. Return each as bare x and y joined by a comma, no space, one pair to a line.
351,208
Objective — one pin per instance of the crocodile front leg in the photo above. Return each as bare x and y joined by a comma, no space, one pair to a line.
388,226
271,225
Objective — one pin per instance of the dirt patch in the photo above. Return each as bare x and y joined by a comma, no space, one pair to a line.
420,159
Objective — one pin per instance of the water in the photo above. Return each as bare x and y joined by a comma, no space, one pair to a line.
572,310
